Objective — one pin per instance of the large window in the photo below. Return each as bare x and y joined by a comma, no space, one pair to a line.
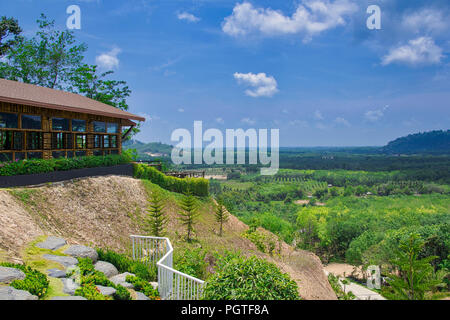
31,122
106,143
79,125
18,141
98,141
80,141
34,140
113,141
60,124
59,140
8,120
99,126
34,155
6,140
112,128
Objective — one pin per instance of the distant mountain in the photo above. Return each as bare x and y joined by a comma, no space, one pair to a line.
436,142
152,149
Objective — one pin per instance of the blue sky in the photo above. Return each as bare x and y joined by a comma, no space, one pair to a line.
310,68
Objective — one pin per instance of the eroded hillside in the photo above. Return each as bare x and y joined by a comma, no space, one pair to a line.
105,211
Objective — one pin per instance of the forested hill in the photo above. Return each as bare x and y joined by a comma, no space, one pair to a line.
437,142
144,150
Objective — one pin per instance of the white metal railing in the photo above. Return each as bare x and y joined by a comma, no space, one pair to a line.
172,284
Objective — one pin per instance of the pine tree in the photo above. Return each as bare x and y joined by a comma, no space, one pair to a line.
156,216
415,276
188,214
221,214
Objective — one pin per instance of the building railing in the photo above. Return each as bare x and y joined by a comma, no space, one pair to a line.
172,284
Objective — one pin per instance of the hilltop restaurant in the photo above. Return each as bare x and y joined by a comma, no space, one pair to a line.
42,123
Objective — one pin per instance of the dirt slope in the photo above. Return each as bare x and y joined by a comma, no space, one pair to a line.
104,211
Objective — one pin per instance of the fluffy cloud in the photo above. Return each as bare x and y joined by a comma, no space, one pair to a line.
248,121
318,115
187,17
264,86
422,50
342,121
311,18
109,60
425,20
375,115
220,120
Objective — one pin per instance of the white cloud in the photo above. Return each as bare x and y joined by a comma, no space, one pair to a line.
310,18
375,115
219,120
264,86
187,17
299,123
422,50
318,115
181,110
425,20
342,121
248,121
109,60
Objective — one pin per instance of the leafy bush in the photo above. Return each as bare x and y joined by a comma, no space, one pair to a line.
252,278
125,264
61,164
35,282
341,294
196,186
143,286
90,278
191,262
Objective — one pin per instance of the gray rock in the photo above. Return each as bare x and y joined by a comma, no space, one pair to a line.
65,261
8,275
69,286
120,279
79,251
107,268
106,291
9,293
69,298
56,273
141,296
52,243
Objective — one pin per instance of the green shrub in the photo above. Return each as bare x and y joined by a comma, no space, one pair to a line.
196,186
191,262
125,264
240,278
90,292
61,164
35,282
143,286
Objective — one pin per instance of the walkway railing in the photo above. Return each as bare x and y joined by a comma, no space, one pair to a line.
172,284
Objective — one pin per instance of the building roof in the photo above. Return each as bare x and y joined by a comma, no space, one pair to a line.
32,95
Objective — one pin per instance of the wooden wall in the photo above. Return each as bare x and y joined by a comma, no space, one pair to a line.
46,129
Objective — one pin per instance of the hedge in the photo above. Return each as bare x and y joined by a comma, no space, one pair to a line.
62,164
35,282
197,186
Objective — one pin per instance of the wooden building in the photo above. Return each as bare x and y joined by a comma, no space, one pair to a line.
42,123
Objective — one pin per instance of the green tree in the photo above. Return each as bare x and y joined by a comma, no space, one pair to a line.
221,215
9,34
189,214
156,216
414,276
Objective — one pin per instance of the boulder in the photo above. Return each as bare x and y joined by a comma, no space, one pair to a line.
141,296
78,251
120,279
65,261
8,275
107,268
9,293
69,286
69,298
56,273
52,243
106,291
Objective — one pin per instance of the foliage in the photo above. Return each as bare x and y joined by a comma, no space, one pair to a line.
191,262
125,264
433,141
61,164
9,32
221,215
90,278
415,275
197,186
241,278
188,214
35,282
143,286
341,294
156,216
